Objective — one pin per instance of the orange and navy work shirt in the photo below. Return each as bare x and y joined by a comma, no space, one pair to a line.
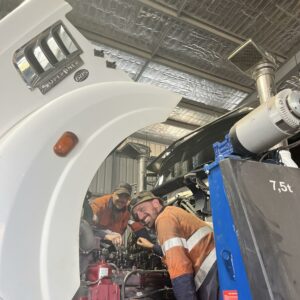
108,217
187,243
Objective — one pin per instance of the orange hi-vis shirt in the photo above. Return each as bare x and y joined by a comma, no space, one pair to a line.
187,243
108,218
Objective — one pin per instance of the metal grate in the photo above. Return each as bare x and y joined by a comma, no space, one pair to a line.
48,58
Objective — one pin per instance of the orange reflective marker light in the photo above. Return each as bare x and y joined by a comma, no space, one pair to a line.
65,144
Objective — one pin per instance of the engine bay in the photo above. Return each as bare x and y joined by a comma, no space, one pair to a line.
125,272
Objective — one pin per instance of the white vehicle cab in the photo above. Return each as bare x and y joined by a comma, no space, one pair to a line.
52,83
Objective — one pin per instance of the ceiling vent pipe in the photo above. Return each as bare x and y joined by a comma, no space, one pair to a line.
141,153
260,65
257,64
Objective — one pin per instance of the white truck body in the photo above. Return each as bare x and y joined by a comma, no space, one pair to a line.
42,193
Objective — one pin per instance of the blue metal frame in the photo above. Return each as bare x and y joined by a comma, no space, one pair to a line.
231,268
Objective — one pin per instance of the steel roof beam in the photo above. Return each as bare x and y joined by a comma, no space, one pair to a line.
99,38
289,68
152,138
162,38
202,108
180,124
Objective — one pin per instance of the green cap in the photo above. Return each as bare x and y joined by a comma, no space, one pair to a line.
123,188
140,198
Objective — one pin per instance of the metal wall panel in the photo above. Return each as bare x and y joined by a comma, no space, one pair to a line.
102,181
115,169
119,168
155,148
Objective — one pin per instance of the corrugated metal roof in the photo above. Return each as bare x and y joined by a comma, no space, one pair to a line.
129,63
273,24
189,86
192,117
133,23
192,87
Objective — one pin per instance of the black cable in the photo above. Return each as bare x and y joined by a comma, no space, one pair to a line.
287,147
293,145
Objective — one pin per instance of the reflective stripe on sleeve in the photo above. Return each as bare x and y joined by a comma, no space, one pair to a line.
173,242
197,236
204,268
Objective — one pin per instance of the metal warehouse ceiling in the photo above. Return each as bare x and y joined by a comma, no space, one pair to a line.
183,46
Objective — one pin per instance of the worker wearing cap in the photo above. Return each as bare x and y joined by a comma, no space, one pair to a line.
187,243
110,213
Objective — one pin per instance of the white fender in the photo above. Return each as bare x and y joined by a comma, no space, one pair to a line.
42,194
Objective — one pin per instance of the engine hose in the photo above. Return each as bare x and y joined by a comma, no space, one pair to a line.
93,282
114,265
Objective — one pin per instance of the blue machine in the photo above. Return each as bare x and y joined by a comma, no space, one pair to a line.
255,210
232,278
255,205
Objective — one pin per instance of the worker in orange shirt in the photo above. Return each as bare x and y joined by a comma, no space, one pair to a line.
187,244
110,214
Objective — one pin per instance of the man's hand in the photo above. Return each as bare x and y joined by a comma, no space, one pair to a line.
115,238
144,243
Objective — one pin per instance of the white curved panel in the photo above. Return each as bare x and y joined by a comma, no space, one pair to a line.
25,23
42,194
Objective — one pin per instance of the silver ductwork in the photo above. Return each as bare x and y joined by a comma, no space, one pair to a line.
142,162
264,76
141,153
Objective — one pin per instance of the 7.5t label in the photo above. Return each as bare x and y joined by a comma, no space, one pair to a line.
281,186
